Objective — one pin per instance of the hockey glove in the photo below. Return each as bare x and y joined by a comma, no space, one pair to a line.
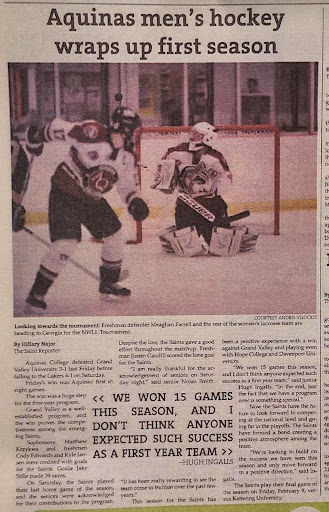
138,209
18,216
165,178
33,143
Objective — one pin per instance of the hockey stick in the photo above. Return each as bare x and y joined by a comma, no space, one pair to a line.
204,212
44,242
192,203
124,274
238,216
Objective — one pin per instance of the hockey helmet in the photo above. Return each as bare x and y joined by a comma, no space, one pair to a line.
198,180
198,134
211,140
125,121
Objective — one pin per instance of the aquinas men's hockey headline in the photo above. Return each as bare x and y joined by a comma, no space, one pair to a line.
248,18
165,45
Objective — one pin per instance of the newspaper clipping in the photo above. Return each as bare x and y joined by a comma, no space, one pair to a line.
165,256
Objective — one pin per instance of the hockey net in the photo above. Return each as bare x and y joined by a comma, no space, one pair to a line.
253,155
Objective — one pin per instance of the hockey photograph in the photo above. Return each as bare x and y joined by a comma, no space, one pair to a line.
164,189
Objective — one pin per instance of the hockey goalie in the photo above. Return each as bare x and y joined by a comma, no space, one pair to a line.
202,225
202,146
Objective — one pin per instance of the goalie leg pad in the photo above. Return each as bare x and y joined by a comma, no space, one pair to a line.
249,241
165,238
226,242
183,242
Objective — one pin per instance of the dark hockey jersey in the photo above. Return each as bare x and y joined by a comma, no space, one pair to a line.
186,216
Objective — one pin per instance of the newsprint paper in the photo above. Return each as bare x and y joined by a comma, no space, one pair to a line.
164,256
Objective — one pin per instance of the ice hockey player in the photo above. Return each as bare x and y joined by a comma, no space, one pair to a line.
195,170
197,186
202,224
124,122
94,164
20,173
201,147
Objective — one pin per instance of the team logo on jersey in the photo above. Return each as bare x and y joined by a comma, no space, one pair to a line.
89,131
101,180
198,180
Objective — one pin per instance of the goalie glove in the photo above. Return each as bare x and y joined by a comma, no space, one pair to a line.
33,143
18,216
166,175
138,209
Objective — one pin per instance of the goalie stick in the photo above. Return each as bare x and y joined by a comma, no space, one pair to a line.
238,216
123,275
204,212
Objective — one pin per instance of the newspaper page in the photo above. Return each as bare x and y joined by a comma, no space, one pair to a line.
164,258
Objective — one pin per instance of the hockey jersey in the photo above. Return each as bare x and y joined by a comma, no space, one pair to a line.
212,158
186,216
93,164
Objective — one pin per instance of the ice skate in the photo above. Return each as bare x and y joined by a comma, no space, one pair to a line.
113,291
109,288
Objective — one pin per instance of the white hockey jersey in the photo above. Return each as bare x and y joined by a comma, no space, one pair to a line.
171,169
93,165
211,158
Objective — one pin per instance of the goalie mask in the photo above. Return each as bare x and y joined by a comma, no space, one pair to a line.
100,180
197,135
125,121
198,180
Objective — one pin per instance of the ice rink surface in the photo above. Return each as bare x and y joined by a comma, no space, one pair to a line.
278,278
